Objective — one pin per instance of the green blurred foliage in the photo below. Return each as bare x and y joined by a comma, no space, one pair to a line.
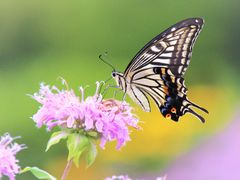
42,40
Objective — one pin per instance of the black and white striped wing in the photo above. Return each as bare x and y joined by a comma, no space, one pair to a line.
158,83
167,91
171,49
157,70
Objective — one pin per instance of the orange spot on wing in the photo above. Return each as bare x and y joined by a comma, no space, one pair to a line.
173,110
168,116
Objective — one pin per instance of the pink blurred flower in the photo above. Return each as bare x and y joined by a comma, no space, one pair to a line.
8,162
121,177
109,118
162,178
125,177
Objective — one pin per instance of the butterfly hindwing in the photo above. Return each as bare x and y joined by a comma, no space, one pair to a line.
169,95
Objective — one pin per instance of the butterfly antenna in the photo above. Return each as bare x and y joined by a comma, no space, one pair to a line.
107,80
101,58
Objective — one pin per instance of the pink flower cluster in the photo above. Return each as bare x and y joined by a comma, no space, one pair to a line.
63,108
8,162
121,177
125,177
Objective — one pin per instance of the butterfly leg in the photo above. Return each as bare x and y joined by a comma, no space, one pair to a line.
107,88
115,92
124,96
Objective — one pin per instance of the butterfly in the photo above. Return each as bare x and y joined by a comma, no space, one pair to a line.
157,71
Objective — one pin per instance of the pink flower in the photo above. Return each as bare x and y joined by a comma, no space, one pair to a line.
59,107
121,177
125,177
8,162
109,118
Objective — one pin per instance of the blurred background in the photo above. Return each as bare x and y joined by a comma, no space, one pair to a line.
42,40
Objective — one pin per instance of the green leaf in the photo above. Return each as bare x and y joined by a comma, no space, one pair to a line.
38,173
56,137
76,144
91,154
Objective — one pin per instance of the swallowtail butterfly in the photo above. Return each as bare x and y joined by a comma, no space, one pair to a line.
157,71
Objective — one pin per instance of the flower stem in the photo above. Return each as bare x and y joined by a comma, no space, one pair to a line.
66,170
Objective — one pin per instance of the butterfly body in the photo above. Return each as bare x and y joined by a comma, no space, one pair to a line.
158,68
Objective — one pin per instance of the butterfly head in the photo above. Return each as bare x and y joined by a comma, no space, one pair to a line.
114,74
120,80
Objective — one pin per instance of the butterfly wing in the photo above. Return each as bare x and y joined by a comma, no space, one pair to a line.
172,48
158,67
168,92
158,83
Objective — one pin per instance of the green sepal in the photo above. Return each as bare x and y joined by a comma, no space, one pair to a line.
91,154
38,173
93,134
56,137
76,144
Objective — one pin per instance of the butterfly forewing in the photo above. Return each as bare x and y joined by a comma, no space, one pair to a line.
172,48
